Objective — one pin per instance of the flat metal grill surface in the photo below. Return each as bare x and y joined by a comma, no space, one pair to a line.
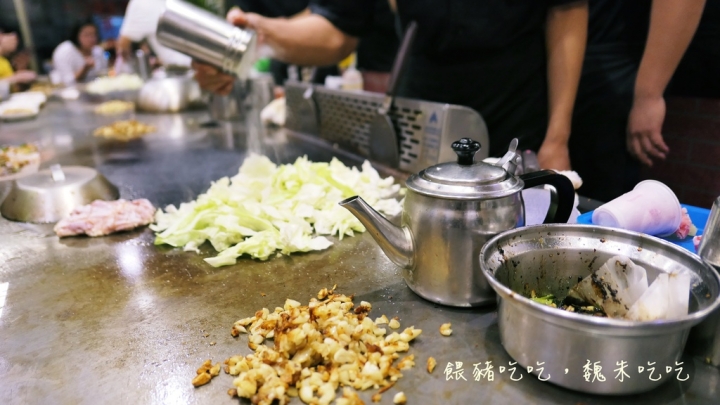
345,119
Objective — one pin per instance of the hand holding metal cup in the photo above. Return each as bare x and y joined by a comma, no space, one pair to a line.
220,49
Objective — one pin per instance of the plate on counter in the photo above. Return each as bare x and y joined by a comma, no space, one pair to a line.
699,217
19,109
18,114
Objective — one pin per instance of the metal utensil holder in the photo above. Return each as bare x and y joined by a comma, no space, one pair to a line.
426,129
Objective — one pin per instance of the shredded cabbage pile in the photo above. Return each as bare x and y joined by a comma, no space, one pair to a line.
267,208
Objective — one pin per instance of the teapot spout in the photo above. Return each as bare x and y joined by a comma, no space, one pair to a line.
396,242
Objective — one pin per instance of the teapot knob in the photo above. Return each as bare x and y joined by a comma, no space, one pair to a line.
466,149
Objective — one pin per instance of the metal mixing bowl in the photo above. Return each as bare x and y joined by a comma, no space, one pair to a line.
169,94
550,259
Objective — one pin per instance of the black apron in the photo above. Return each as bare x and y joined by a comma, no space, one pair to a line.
508,89
486,55
598,153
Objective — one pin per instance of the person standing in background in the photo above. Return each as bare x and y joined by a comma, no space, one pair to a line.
377,49
8,45
79,59
633,49
140,23
516,63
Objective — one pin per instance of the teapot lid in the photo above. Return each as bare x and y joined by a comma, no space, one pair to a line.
467,179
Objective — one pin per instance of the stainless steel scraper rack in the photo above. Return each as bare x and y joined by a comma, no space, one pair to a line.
426,129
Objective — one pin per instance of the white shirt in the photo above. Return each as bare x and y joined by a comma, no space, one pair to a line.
68,60
140,22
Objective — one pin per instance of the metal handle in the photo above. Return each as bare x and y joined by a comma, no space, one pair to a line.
398,66
561,198
466,149
511,160
57,173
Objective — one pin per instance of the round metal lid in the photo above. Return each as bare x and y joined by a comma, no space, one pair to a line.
50,195
477,174
465,179
57,177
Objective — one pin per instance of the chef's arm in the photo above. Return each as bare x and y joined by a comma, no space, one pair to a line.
306,39
566,37
672,25
309,39
123,47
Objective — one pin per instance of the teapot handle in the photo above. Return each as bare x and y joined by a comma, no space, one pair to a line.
562,196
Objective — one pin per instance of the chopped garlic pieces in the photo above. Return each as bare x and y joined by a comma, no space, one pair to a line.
445,329
382,320
431,363
205,373
329,343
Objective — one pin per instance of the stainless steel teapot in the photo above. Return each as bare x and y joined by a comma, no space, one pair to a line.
450,211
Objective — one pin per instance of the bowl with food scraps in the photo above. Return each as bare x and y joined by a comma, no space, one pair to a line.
601,310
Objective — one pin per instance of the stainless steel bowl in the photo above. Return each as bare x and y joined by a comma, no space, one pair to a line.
123,95
170,94
50,195
550,259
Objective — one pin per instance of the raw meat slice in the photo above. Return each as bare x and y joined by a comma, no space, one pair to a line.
105,217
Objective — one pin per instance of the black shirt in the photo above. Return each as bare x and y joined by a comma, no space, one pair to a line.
270,8
617,32
485,54
377,48
618,22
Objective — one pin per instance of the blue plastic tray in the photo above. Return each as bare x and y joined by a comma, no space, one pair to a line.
699,217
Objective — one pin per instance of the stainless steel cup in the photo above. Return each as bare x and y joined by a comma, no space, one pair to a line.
709,248
206,37
705,338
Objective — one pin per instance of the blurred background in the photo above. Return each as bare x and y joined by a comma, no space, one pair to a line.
691,129
51,21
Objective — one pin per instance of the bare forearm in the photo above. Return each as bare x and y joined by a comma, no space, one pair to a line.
566,39
80,74
306,40
672,26
123,46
